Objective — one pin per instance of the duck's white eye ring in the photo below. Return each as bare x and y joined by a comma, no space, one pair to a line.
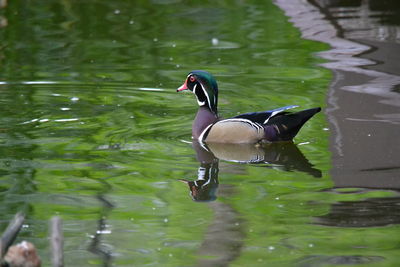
192,79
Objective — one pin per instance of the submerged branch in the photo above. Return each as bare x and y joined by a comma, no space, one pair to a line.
11,233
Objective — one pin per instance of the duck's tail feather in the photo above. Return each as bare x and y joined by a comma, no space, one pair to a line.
288,125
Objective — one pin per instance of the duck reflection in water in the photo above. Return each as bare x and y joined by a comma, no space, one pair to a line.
206,185
284,156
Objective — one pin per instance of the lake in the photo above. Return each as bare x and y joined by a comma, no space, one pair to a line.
93,130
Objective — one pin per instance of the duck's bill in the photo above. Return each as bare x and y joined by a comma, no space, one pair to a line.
182,87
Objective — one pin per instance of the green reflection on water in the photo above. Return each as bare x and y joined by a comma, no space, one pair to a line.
91,128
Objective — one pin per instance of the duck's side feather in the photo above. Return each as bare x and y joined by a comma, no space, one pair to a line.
235,130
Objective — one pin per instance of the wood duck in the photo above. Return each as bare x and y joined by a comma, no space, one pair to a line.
265,126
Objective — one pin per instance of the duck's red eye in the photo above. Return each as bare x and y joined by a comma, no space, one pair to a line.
192,79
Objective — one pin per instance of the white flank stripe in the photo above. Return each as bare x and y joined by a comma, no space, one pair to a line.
201,141
279,110
203,133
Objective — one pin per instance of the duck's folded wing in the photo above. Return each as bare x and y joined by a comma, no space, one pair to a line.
263,116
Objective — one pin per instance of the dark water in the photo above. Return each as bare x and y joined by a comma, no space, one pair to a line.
92,130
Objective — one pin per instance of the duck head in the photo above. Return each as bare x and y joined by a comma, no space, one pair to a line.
204,86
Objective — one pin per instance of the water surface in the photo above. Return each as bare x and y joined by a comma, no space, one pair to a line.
92,130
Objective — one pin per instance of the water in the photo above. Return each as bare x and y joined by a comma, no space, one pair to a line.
92,130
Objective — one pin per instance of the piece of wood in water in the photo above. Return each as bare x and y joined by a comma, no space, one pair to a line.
57,242
10,234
